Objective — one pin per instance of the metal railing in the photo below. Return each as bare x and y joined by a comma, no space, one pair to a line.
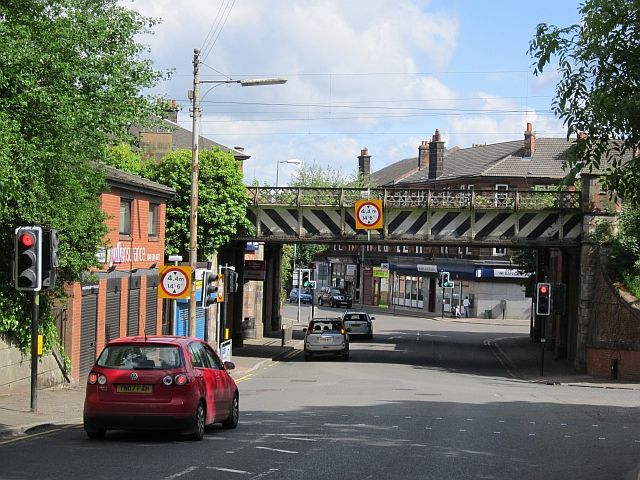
416,198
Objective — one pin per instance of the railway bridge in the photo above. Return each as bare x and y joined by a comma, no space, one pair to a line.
556,224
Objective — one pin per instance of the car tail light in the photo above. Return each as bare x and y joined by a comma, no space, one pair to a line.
102,379
93,378
168,380
180,379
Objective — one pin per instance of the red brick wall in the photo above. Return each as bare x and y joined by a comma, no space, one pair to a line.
599,363
614,330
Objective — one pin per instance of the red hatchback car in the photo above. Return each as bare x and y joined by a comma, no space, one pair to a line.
159,382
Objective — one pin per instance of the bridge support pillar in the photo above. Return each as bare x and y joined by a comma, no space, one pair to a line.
596,208
272,301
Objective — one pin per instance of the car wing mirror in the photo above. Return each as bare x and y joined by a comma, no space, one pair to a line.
373,318
229,365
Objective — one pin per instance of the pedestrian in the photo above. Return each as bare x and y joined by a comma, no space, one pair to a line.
456,311
466,304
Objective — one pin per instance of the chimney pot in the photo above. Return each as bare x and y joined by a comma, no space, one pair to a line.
364,163
529,141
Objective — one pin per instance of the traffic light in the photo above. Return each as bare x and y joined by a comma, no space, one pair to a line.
306,277
444,280
50,259
209,286
543,299
28,259
232,278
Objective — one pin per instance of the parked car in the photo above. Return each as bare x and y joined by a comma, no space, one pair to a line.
326,336
305,296
358,323
159,382
335,297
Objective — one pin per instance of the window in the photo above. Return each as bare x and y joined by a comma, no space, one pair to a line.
154,210
499,251
418,248
125,216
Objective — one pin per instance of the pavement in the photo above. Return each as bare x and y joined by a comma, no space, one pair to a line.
61,406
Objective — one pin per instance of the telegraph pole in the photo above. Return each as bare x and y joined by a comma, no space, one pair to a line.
193,240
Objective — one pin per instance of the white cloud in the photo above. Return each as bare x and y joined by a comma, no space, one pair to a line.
361,73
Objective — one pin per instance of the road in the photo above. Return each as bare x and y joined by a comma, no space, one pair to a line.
425,399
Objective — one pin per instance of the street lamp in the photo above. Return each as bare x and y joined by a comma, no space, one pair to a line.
294,161
193,241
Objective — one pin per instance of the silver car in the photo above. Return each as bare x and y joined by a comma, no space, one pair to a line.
358,323
326,336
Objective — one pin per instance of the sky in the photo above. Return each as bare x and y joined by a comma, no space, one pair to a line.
375,74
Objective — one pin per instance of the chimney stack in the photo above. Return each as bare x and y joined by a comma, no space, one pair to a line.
364,163
171,111
529,141
423,155
436,156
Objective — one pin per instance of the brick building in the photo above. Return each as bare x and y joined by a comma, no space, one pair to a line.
121,297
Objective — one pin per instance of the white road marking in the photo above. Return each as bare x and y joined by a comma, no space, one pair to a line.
180,474
230,470
563,424
500,421
427,428
469,419
462,430
567,436
532,434
497,433
277,450
602,438
595,425
301,439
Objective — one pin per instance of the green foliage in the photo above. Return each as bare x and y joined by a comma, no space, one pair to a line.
315,176
222,200
70,84
598,92
123,158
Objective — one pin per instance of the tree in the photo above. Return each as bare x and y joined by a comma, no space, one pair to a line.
70,85
123,158
315,176
598,92
222,200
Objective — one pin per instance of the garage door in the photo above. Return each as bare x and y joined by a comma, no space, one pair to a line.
133,311
88,324
114,300
151,320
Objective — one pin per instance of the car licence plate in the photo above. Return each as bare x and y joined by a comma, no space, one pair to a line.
326,339
123,388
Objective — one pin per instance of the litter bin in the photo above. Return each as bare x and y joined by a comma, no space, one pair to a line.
487,314
249,327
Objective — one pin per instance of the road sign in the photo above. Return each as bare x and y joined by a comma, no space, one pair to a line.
368,214
220,290
175,282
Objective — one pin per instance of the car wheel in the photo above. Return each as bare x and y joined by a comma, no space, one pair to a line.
345,356
320,301
199,420
95,434
307,356
234,415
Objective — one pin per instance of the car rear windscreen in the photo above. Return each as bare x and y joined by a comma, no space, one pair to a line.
355,317
321,326
130,357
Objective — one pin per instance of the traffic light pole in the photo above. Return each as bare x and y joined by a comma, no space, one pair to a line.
35,312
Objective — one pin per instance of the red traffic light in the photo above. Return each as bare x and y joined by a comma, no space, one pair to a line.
543,289
27,240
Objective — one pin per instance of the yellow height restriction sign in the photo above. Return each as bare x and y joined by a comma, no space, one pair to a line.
175,282
368,214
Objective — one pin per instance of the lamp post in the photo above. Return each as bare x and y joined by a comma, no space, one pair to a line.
193,231
294,161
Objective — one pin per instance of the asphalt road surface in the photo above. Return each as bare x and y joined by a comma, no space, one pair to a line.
424,399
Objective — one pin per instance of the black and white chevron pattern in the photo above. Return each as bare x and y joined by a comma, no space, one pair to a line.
496,227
